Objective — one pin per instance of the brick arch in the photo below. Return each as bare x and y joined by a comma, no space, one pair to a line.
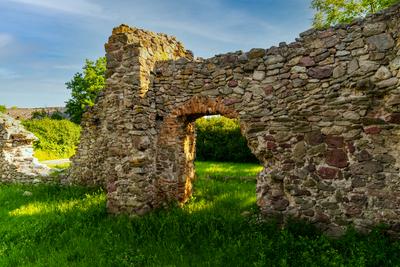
175,152
322,114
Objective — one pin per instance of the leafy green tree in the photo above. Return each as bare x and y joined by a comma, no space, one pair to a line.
331,12
85,87
220,139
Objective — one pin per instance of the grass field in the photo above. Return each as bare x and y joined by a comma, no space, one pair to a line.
69,226
61,166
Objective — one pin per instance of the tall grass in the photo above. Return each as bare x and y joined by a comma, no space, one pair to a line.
220,226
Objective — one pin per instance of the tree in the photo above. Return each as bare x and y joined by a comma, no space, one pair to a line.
219,139
85,87
331,12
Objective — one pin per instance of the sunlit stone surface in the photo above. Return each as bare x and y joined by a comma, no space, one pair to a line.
321,114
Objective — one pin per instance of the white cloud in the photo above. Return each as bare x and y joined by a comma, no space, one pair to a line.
7,74
68,67
76,7
5,39
210,19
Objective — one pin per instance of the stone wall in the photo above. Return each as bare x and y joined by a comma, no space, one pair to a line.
26,113
321,114
17,163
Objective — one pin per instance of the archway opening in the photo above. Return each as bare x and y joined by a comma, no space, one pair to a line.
225,168
176,165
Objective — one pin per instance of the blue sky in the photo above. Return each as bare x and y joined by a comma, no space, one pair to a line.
44,42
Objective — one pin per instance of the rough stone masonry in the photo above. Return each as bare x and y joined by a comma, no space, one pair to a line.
322,115
17,164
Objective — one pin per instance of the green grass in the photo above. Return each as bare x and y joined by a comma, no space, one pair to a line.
61,166
69,226
227,170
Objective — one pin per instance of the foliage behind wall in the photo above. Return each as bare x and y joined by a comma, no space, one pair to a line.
219,139
57,138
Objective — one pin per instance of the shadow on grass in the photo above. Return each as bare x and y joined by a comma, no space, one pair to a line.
210,230
13,197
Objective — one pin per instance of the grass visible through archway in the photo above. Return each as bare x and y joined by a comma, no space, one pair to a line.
220,226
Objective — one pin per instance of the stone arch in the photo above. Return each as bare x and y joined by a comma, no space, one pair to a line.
176,145
322,114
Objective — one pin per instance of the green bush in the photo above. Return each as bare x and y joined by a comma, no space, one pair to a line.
3,109
41,114
57,138
57,115
220,139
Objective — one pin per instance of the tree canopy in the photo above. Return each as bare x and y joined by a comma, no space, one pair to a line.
331,12
85,87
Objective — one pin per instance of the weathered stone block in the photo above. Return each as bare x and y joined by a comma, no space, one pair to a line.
380,42
374,28
314,138
320,72
328,173
259,75
366,168
337,158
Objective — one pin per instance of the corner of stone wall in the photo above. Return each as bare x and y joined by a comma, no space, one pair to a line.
118,140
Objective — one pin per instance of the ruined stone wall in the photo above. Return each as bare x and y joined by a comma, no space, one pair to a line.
119,131
26,113
17,163
321,114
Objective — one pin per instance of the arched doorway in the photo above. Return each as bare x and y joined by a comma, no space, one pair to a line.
175,169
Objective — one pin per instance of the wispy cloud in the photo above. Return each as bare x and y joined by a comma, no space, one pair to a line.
44,42
6,74
209,19
5,39
76,7
76,67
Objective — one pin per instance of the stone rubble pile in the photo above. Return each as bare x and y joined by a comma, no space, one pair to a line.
17,163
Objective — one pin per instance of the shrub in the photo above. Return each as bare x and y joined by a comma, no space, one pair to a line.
39,114
220,139
57,138
57,115
3,109
43,113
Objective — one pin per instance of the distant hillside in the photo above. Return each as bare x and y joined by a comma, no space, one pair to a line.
26,113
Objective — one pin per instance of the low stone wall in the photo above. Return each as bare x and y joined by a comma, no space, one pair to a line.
17,164
321,114
26,113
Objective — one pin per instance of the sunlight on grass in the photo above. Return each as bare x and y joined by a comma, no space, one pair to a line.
59,207
196,206
244,200
221,169
30,209
61,166
219,226
219,202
